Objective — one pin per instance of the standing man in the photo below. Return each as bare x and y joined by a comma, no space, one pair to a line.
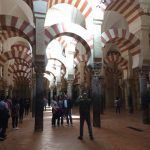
84,110
117,105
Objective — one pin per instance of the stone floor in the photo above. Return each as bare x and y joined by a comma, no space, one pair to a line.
114,134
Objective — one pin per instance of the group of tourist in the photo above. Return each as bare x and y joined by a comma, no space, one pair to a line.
14,108
61,108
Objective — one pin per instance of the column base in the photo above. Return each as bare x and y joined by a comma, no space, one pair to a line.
146,116
130,110
38,130
38,127
96,119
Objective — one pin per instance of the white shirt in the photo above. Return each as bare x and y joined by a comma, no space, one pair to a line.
65,103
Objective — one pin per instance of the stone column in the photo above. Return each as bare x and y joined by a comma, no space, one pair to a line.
39,69
52,93
39,54
70,67
102,94
96,96
81,70
115,82
69,88
58,88
129,95
144,97
33,95
96,101
82,77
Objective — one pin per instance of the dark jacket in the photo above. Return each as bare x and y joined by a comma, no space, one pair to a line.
84,106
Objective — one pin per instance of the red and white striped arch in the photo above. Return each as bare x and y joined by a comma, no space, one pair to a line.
21,47
62,42
18,68
113,71
70,29
50,73
19,79
22,74
13,54
19,61
115,58
129,9
63,68
5,34
125,40
82,5
16,24
78,58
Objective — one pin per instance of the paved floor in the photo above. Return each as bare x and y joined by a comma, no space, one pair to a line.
114,135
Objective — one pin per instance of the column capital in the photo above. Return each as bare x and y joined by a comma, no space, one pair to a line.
39,64
70,81
39,68
71,52
96,69
70,77
58,84
144,73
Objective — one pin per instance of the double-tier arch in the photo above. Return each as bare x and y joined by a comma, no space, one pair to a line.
15,54
15,24
115,58
72,30
125,40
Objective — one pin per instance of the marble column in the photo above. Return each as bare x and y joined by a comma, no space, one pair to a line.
52,93
144,97
39,69
39,53
58,88
69,88
33,95
130,96
96,101
102,95
96,98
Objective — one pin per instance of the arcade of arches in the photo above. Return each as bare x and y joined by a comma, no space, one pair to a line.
50,47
